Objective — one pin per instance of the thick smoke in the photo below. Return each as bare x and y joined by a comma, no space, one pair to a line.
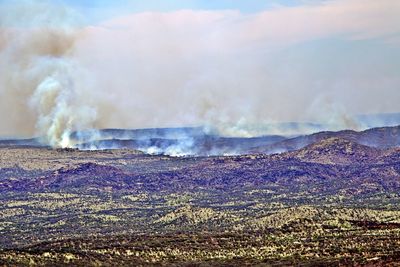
235,74
40,81
243,74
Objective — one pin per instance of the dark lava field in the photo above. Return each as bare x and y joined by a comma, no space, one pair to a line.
327,199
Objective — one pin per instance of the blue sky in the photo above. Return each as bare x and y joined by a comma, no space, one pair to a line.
167,5
98,10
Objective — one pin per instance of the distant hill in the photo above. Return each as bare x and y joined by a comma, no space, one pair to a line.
337,151
200,145
337,163
378,120
384,137
196,141
30,142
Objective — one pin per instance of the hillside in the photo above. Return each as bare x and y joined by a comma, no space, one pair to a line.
337,151
384,137
334,201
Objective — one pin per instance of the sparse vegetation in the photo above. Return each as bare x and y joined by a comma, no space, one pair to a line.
126,208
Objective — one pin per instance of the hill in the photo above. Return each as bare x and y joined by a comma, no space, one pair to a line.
335,150
384,137
334,201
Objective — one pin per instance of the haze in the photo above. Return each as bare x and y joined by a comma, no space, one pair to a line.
235,66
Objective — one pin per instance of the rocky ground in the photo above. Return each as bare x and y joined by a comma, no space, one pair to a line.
333,202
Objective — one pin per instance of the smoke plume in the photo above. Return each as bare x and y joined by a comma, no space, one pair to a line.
40,81
244,73
234,73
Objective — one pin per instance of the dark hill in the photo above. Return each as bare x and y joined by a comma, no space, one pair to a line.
198,145
385,137
336,151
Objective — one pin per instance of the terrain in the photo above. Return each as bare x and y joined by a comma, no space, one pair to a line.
331,198
199,141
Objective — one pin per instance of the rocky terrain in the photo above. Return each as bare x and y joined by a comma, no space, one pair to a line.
384,137
334,200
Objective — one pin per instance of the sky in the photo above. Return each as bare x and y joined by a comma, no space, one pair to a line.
232,65
105,8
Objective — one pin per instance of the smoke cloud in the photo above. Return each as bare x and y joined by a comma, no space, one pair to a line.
41,84
226,70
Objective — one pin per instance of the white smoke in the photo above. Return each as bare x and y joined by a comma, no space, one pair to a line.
55,101
237,74
37,67
241,73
